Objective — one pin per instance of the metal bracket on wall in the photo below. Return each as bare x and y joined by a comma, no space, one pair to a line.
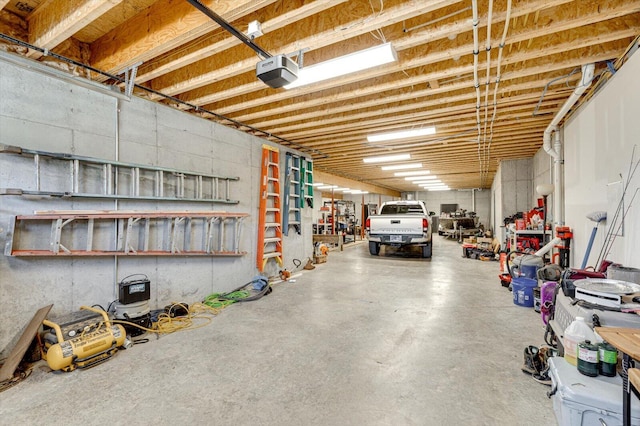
120,233
87,177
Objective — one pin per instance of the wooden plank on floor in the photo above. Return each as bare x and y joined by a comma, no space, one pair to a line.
9,367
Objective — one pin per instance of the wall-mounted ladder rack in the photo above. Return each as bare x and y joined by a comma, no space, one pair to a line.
89,177
120,233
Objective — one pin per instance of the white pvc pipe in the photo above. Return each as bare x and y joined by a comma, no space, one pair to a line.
555,151
547,248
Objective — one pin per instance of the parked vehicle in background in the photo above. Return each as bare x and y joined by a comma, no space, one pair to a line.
400,223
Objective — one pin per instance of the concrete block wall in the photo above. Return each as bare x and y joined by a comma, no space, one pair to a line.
44,113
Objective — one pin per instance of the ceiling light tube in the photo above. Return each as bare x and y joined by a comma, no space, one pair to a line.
347,64
438,189
319,184
342,189
440,185
413,173
403,166
414,178
402,134
387,158
435,183
328,187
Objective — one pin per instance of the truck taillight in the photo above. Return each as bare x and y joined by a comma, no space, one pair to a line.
425,225
367,224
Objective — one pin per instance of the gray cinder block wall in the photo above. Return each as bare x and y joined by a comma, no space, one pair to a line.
44,113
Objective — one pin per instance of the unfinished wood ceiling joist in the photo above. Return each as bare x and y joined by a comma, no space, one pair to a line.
186,55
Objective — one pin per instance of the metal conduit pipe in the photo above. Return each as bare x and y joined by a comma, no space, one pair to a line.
555,151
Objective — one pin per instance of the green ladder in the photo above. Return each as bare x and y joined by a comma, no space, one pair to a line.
307,183
292,194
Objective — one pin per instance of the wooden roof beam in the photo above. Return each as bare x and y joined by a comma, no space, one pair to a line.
210,70
164,26
273,19
202,97
58,20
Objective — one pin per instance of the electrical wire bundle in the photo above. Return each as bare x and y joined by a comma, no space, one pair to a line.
167,324
260,288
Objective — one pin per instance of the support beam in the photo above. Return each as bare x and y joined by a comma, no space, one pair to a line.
58,20
166,25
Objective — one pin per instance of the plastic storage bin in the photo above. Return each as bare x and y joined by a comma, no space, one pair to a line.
566,312
579,400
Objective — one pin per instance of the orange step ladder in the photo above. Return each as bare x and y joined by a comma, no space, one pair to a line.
270,217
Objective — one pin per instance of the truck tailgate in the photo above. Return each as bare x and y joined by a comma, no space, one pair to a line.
396,225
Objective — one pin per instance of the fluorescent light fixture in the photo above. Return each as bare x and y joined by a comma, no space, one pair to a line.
328,187
342,189
403,166
438,183
438,189
414,178
413,173
387,158
358,192
343,65
319,184
402,134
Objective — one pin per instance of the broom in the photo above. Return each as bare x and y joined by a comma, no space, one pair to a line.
596,217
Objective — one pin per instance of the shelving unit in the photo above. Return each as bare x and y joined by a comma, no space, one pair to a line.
522,235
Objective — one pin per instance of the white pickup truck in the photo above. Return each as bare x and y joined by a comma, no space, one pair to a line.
400,223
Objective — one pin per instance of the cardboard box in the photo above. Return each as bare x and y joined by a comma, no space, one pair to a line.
321,258
483,240
469,240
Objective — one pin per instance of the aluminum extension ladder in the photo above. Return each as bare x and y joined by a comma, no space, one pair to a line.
269,220
307,183
292,194
89,177
119,233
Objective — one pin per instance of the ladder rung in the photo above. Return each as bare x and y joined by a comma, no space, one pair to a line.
272,254
294,196
272,164
271,225
295,181
273,194
294,222
272,209
273,179
272,240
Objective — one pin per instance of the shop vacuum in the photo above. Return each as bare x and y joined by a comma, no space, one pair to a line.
132,306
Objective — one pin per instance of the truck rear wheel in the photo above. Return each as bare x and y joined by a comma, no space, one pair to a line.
426,251
374,248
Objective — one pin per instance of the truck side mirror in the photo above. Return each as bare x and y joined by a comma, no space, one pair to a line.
432,213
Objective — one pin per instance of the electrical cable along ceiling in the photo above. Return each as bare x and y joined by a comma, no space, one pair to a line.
487,75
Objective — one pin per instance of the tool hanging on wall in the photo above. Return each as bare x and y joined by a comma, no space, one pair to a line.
292,194
269,220
306,173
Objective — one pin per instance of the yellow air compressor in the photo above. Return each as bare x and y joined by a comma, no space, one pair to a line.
86,349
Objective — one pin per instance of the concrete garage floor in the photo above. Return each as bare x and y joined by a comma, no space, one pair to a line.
360,340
